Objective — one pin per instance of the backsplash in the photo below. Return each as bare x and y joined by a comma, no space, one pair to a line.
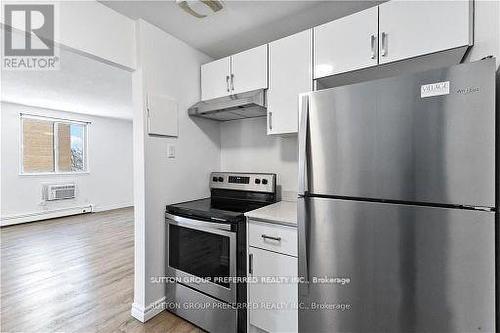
245,147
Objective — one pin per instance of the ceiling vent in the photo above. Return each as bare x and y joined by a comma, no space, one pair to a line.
200,8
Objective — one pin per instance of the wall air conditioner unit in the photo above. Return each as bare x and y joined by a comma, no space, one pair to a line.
59,192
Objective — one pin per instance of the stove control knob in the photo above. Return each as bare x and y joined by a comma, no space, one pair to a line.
257,181
220,179
264,181
214,179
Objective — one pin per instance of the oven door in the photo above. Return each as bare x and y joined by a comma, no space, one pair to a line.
200,252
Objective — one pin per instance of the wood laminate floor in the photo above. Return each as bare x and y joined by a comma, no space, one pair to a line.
73,274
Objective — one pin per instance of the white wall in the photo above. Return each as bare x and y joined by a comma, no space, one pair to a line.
108,185
170,67
245,147
97,30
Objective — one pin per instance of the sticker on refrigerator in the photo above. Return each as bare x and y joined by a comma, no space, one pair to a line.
435,89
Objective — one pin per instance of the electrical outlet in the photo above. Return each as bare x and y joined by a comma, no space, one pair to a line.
170,151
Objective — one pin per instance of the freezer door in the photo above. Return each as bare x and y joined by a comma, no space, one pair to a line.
427,137
411,268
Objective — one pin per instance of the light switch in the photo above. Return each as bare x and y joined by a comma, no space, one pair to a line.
170,151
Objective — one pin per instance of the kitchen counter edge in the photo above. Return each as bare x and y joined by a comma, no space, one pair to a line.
281,212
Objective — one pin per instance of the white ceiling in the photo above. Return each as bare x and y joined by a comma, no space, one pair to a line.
240,25
81,85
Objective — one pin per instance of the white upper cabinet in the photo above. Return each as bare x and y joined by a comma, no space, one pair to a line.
346,44
215,79
290,73
242,72
249,70
413,28
395,30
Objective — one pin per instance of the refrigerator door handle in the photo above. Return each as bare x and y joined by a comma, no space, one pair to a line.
301,202
250,264
303,233
303,127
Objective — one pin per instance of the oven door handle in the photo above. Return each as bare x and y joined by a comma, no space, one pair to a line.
213,227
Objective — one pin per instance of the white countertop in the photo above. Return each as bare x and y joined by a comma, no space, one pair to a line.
282,212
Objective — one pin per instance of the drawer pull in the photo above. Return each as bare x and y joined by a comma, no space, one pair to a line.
278,239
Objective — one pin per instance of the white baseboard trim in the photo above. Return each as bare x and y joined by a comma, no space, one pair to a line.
144,314
97,208
38,216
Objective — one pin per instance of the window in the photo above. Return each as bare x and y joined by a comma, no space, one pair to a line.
53,145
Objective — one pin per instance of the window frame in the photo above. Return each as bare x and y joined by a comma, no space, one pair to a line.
55,121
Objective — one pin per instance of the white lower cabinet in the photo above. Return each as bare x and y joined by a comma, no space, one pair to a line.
273,305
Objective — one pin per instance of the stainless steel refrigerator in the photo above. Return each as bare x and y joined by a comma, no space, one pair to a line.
397,192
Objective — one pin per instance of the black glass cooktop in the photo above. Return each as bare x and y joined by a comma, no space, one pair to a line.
219,209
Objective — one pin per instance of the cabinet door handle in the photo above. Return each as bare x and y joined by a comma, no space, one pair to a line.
373,40
278,239
250,263
227,83
384,44
270,120
232,82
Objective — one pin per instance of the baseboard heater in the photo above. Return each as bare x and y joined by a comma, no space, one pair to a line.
38,216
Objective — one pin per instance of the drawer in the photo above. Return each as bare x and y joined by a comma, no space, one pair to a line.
273,237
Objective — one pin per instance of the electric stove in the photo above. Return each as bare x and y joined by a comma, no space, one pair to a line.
206,250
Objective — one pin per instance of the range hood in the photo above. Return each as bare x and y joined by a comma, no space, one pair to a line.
245,105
